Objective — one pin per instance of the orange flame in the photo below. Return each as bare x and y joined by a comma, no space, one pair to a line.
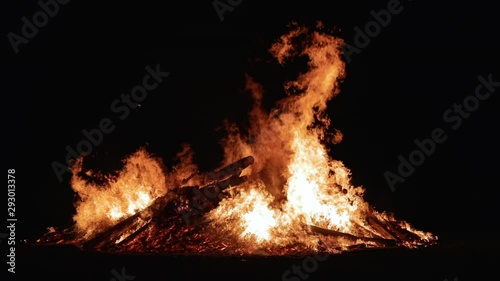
142,180
101,206
292,163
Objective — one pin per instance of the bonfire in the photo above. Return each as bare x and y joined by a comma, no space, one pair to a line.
277,191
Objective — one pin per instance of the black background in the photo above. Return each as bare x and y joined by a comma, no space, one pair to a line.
396,90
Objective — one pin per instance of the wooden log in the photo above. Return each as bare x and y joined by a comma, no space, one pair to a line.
388,227
379,227
127,227
231,170
330,232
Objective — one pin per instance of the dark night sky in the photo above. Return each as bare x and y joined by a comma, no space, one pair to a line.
397,88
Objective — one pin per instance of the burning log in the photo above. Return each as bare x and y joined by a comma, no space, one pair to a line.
207,197
233,169
191,202
389,229
127,227
198,200
354,238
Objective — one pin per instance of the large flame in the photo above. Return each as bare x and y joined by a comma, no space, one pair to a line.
294,185
292,160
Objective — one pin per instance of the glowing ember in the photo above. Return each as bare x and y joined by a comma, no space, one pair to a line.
295,199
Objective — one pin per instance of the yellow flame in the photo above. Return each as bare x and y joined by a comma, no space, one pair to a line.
259,220
99,207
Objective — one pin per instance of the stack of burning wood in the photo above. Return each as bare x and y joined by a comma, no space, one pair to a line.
189,202
181,211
